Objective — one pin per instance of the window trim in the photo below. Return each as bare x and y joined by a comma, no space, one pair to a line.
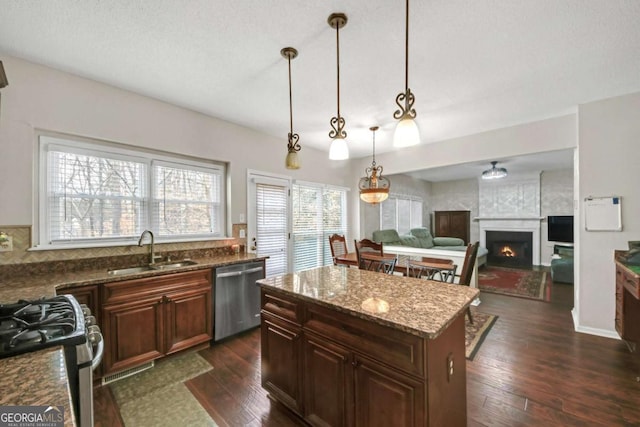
45,140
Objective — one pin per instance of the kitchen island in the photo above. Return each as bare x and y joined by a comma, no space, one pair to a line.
342,346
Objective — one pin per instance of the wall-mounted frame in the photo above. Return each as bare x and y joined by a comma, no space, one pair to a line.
603,213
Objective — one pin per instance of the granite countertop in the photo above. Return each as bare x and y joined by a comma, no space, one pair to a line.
31,286
417,306
37,378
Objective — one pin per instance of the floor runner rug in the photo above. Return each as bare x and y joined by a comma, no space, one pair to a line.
534,284
474,334
158,396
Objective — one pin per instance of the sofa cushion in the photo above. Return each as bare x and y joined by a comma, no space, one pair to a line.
387,237
408,240
448,241
424,237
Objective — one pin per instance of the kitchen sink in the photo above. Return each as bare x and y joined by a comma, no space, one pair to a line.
152,267
176,264
130,270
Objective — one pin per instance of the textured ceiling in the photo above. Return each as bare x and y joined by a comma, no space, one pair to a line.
474,65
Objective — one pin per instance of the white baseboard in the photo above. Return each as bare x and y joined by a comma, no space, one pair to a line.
592,331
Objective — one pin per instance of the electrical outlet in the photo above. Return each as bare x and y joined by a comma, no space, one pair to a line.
6,244
243,234
242,218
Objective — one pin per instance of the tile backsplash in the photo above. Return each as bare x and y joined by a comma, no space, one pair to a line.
22,242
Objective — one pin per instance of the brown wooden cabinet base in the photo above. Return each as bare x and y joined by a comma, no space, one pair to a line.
627,321
333,369
145,319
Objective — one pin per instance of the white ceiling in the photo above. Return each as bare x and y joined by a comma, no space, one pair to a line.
474,65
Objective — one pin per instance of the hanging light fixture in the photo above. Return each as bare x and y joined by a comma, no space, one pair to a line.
339,149
494,172
292,161
374,188
406,133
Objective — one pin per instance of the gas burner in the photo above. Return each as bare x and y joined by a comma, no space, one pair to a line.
31,325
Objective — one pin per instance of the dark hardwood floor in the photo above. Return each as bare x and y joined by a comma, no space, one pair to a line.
532,370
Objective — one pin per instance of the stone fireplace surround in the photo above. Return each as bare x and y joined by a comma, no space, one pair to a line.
511,204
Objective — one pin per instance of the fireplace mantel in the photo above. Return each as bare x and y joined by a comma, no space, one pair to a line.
531,224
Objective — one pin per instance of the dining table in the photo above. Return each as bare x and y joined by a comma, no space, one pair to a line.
351,258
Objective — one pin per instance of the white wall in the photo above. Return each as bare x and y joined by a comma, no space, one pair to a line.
609,155
39,97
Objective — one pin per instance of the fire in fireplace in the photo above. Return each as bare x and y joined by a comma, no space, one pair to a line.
509,248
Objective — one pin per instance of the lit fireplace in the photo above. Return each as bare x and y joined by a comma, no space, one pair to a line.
509,248
507,251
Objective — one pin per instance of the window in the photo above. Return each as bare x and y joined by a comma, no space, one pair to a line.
318,212
98,194
401,213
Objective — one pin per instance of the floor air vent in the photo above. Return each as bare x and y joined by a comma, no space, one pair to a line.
129,372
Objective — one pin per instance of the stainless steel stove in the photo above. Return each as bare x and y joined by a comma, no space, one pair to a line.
27,326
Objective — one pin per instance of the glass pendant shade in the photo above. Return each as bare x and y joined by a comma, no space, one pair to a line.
374,196
292,161
338,149
494,172
406,133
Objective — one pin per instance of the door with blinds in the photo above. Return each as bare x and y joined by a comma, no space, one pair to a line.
268,224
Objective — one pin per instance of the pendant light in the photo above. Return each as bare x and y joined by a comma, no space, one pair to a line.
406,133
339,149
374,188
292,161
494,172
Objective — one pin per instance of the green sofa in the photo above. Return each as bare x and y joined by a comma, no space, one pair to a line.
421,238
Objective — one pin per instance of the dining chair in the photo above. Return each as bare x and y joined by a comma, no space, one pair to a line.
442,271
371,257
338,245
467,269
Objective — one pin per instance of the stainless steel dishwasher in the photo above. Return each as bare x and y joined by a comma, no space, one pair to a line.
237,298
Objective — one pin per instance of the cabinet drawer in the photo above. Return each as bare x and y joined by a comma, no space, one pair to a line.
396,348
117,292
280,306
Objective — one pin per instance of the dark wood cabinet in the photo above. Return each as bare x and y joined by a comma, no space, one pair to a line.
627,320
334,369
145,319
378,387
133,334
281,360
328,382
452,224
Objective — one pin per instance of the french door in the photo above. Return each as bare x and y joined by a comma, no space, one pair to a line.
268,220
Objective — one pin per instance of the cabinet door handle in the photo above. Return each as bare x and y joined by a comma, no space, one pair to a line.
355,363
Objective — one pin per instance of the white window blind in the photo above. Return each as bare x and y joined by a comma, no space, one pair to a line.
94,196
401,213
271,226
187,200
318,212
96,193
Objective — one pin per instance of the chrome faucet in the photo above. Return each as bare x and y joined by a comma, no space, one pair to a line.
152,255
